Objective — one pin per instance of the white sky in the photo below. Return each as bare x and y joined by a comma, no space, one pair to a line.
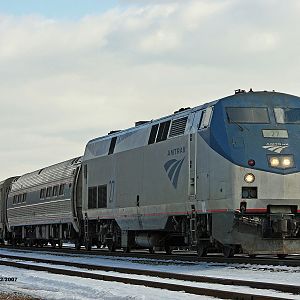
64,81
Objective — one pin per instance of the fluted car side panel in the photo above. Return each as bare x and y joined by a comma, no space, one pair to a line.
54,209
42,213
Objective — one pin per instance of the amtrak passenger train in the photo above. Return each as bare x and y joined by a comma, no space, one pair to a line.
223,176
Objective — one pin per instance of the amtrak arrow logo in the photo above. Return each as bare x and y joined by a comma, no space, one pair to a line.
277,148
173,167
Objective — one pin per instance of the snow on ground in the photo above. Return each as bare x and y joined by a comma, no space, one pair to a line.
51,286
41,284
264,273
244,289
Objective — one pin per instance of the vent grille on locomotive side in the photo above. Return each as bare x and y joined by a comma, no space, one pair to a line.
178,127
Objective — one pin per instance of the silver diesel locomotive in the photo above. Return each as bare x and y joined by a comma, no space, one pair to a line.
223,176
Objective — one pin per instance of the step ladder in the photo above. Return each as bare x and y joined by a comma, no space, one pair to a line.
86,228
193,226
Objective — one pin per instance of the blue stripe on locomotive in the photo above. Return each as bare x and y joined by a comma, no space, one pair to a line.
239,146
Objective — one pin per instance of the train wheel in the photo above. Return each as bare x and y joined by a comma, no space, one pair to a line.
281,256
111,246
77,245
53,244
126,249
228,251
88,246
60,244
168,250
151,250
252,255
201,250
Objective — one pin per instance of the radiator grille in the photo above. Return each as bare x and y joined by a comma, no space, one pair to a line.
178,127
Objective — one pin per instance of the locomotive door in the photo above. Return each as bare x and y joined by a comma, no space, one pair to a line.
201,162
112,186
192,145
192,165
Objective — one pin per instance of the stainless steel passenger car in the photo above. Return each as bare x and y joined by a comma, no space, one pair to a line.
44,206
5,186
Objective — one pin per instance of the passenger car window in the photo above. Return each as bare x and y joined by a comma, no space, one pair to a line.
42,193
24,196
49,192
55,191
61,189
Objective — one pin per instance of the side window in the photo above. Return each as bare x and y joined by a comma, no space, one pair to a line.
15,199
92,197
24,196
55,191
49,192
42,193
19,198
206,117
112,145
201,118
85,172
102,196
153,134
163,131
61,189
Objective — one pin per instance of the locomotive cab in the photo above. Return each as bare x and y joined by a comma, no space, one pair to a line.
260,141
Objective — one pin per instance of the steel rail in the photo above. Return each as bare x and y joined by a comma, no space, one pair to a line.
147,283
188,257
185,277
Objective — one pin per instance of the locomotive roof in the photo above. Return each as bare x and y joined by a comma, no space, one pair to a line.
237,95
140,134
175,115
133,137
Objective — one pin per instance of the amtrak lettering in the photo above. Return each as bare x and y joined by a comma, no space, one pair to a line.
275,147
176,151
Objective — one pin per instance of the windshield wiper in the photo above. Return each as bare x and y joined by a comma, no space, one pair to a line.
236,123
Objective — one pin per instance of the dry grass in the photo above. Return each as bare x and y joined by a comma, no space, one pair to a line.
15,296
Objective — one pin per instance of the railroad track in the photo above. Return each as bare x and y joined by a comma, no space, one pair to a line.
85,271
179,256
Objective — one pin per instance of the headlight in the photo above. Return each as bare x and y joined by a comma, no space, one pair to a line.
281,161
249,178
274,161
286,162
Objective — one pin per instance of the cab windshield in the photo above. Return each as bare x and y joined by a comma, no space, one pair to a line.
257,115
287,115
